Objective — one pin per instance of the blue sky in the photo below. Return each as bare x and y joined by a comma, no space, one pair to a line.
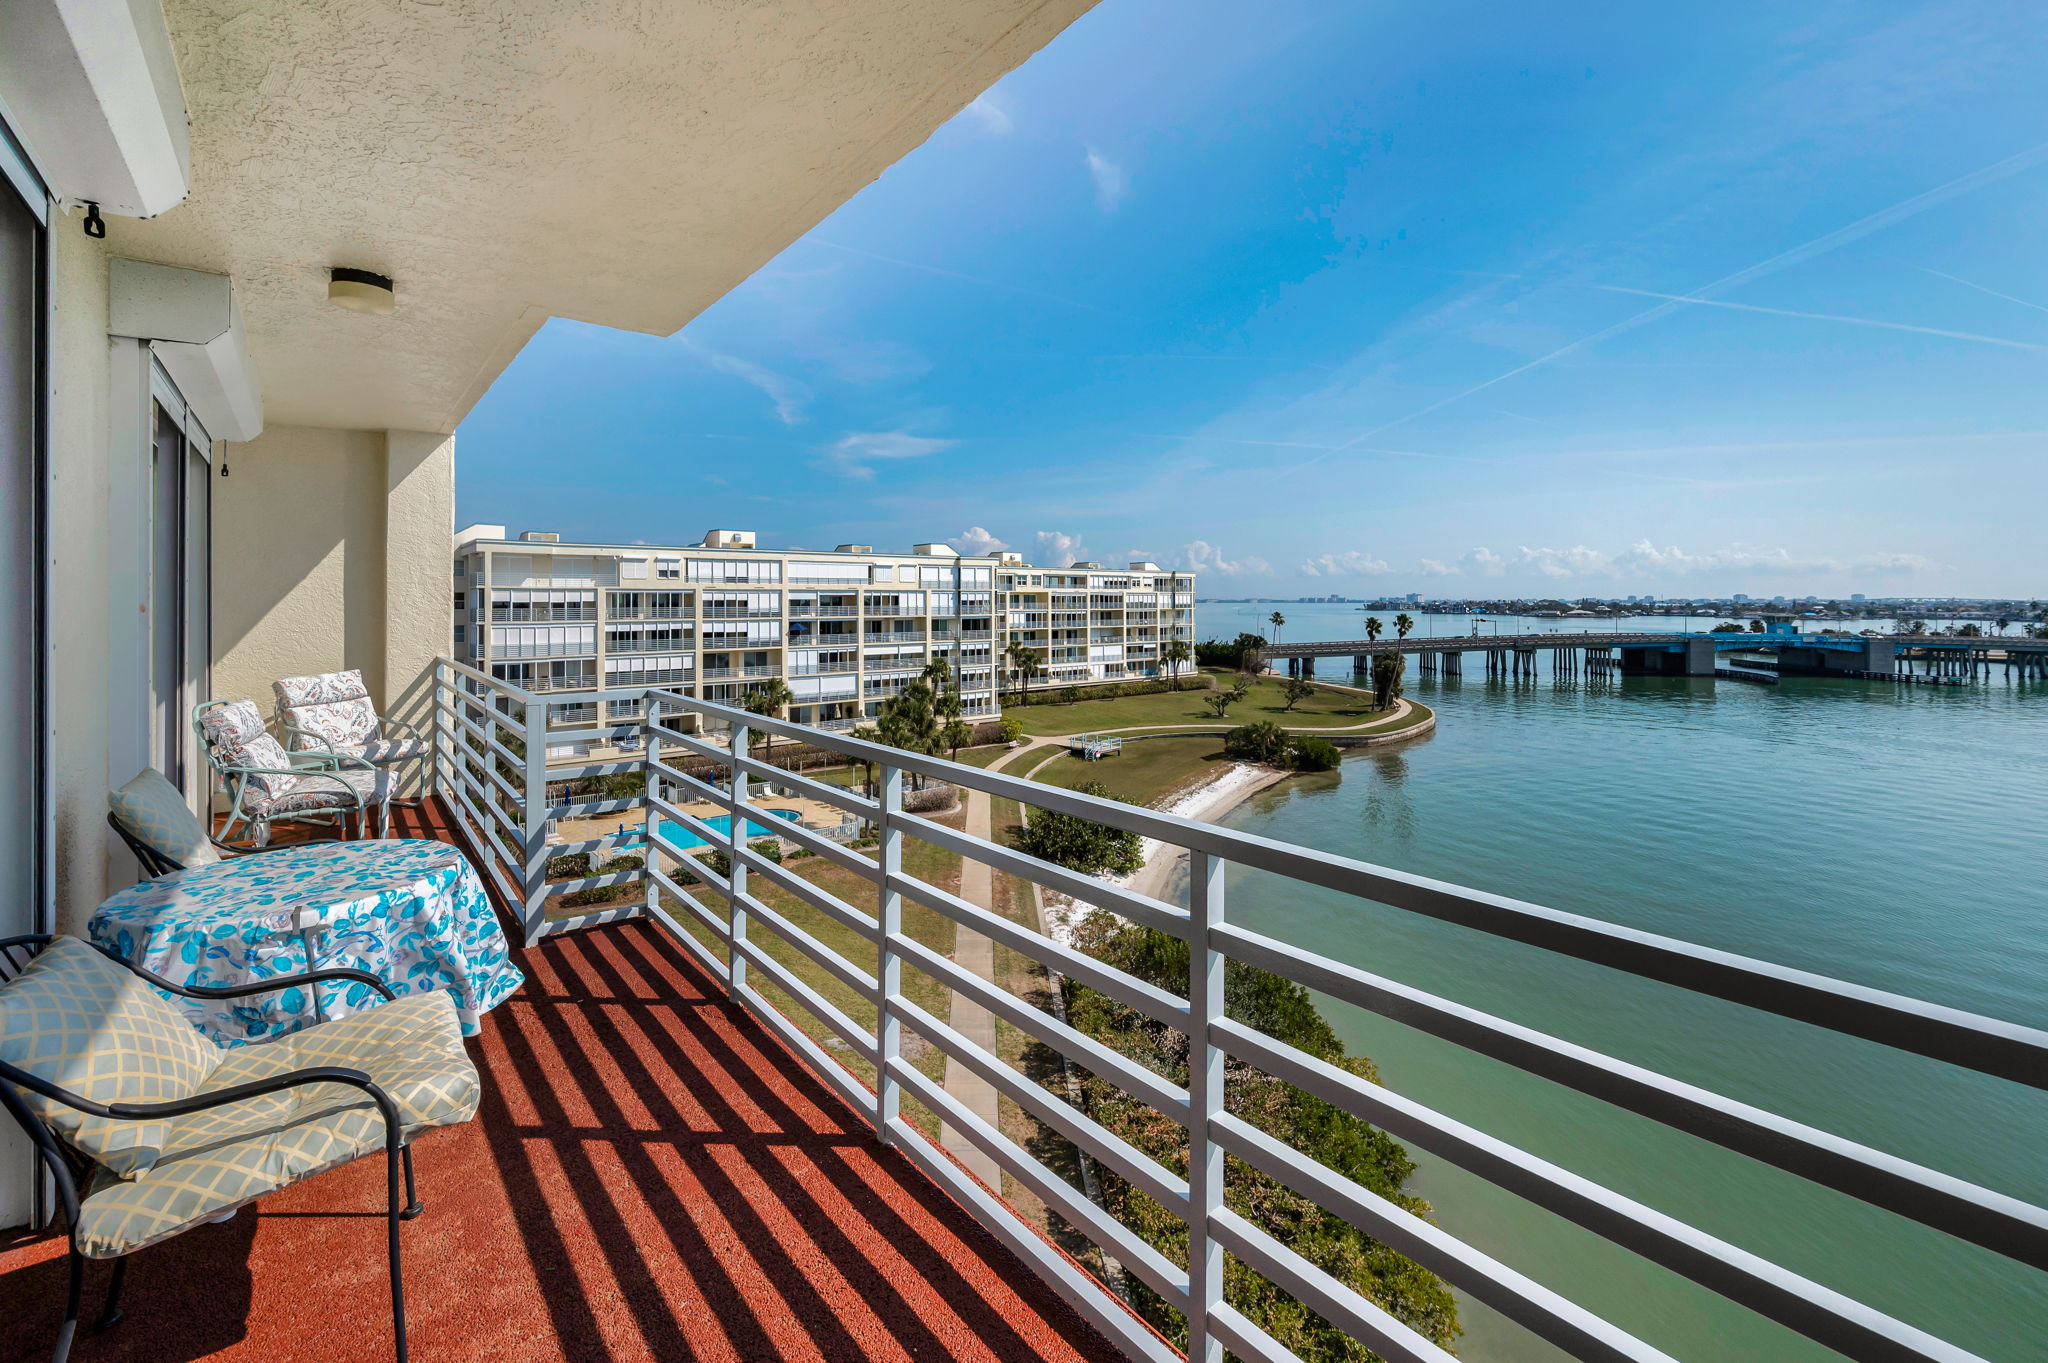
1465,299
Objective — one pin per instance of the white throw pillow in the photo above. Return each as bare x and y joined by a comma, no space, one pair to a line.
152,809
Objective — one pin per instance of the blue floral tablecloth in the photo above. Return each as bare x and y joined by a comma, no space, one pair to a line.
411,912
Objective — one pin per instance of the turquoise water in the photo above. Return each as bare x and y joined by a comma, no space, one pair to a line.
1886,835
679,837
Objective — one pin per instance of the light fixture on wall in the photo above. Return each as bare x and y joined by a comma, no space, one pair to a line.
360,291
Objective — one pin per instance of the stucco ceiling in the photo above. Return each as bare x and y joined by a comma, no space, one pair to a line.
623,162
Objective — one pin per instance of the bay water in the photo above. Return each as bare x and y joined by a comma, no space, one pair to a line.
1892,836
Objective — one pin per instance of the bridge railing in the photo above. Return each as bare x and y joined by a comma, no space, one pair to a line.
728,916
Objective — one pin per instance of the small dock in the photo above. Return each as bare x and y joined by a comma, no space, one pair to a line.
1745,674
1095,747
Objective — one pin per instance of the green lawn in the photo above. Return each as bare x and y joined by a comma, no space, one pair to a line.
1146,771
1324,710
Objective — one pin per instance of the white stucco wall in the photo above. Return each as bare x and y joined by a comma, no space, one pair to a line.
331,551
80,627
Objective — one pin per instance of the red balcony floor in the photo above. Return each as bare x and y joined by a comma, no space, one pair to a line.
652,1176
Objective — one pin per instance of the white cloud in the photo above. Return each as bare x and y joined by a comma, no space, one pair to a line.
1056,550
1204,557
786,393
851,455
1350,563
988,111
975,541
1434,567
1112,185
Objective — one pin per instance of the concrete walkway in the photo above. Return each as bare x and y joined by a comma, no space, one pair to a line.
972,951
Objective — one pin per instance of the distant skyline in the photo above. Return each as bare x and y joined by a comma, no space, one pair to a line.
1470,300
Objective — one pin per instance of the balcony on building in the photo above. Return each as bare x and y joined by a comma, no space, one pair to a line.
718,1120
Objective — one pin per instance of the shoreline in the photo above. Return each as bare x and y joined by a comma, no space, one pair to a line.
1204,803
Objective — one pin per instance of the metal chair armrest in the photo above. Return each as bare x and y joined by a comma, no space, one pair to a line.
200,1102
237,991
317,749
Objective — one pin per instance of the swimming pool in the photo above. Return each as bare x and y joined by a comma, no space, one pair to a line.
684,839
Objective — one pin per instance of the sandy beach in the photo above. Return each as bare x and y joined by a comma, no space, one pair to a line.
1165,867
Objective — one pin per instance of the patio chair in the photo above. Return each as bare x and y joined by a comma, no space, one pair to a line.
266,785
162,1130
153,819
332,711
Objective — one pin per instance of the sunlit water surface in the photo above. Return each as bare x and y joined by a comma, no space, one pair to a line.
1891,836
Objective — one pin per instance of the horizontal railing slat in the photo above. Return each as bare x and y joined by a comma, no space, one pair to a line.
1083,1050
1329,1298
1160,1273
1820,1313
1129,990
1154,1179
1536,1308
1993,1220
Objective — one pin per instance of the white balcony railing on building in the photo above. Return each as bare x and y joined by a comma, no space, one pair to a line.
499,794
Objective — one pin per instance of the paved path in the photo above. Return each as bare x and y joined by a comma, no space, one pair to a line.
972,951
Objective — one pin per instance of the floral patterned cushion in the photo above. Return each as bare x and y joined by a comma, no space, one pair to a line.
232,725
344,725
83,1023
261,751
324,790
384,750
321,688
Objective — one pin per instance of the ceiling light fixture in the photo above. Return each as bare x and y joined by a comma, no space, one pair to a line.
360,291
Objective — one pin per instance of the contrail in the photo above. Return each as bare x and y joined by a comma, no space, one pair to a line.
955,274
1841,236
1957,279
1827,317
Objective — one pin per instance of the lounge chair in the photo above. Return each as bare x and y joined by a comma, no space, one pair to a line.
332,711
147,1128
266,785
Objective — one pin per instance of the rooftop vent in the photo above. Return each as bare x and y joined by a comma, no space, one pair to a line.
1009,556
541,536
1077,563
729,539
855,549
935,550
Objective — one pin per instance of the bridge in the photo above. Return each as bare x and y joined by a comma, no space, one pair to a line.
1878,656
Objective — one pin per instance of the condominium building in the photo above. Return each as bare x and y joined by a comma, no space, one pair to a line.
845,630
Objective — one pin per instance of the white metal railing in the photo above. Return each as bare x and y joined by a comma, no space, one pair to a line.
500,793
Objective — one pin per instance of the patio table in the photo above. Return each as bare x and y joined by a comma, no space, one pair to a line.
411,912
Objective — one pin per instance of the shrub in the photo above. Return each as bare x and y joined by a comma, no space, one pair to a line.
767,849
625,863
1264,741
1082,844
596,894
572,867
931,800
719,863
1314,754
1011,728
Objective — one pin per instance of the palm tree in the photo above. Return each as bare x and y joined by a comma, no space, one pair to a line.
1027,665
1277,621
1373,628
1010,652
1403,623
867,733
1174,655
767,699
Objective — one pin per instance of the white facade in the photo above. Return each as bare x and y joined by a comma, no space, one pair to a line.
845,630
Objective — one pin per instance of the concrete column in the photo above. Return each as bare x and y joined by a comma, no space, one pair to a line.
1699,657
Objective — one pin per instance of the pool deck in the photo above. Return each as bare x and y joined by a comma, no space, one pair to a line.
809,812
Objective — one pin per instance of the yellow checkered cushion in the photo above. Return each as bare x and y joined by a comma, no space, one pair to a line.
83,1023
151,808
227,1156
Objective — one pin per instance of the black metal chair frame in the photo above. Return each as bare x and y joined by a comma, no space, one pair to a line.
67,1166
